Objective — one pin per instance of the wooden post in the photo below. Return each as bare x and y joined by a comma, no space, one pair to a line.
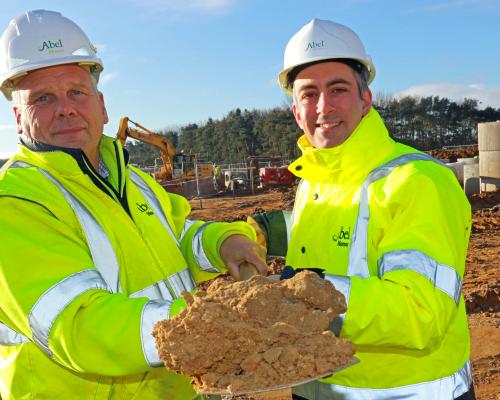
251,178
197,181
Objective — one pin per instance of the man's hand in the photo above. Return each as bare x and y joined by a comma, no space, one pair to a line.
237,249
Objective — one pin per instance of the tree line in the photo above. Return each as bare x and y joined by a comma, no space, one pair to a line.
425,123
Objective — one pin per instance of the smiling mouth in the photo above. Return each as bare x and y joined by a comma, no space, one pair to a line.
68,131
328,125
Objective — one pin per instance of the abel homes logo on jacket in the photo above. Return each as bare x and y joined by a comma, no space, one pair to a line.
144,208
51,47
342,237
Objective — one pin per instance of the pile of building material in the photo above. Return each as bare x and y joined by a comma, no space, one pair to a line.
255,334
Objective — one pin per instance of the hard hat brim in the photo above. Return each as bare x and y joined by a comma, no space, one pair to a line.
8,81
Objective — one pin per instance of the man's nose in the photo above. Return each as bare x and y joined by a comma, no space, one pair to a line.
65,107
324,104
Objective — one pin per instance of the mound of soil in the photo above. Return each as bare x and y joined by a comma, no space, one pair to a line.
255,334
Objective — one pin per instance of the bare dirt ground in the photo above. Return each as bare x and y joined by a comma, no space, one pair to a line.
481,283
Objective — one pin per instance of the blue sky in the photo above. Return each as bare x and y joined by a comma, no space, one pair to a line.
172,62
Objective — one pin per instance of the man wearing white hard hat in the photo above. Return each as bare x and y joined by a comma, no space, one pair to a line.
387,224
94,251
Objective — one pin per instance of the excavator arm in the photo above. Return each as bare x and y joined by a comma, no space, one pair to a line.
145,135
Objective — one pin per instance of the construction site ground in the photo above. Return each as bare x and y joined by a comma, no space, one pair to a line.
481,283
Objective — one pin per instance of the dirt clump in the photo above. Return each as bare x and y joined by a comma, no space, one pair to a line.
490,200
237,337
452,154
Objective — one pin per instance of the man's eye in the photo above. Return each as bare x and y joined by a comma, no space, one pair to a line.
42,99
76,92
308,95
339,90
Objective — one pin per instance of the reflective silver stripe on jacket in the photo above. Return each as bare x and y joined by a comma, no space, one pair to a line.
162,291
153,202
50,304
358,252
447,388
101,249
197,246
343,285
287,216
443,277
156,291
152,312
9,337
297,192
158,308
187,224
198,251
181,281
100,246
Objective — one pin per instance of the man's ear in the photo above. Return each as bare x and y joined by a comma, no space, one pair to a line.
367,101
298,117
103,108
17,113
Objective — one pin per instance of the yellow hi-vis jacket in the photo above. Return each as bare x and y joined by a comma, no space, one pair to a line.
390,226
87,266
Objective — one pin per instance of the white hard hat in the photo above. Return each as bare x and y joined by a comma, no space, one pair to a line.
323,40
39,39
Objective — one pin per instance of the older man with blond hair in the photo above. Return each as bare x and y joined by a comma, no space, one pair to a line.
94,251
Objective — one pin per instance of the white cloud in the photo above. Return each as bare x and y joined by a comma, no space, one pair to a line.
486,95
107,77
197,6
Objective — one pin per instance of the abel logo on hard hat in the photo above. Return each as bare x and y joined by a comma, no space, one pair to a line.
52,47
314,45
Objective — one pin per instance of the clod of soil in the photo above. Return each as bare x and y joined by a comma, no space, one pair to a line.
256,334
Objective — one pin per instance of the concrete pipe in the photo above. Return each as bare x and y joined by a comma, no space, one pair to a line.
458,170
471,179
489,149
467,161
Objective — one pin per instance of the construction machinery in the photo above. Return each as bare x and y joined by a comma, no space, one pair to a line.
269,171
175,166
160,142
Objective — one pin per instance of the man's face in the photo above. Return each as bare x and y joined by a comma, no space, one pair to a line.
327,105
60,106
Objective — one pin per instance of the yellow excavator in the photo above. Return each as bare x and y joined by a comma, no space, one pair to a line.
175,166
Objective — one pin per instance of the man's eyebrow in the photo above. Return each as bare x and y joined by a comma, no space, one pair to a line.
307,87
337,81
331,83
36,93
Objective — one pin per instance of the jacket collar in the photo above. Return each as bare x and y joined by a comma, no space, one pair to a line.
69,162
367,146
107,153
